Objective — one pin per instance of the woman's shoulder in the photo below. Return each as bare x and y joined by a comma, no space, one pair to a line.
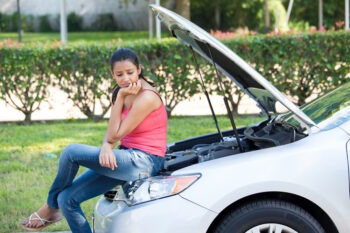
149,93
149,96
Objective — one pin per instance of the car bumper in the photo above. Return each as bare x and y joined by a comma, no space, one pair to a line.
172,214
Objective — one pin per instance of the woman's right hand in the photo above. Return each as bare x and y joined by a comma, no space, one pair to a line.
132,89
107,157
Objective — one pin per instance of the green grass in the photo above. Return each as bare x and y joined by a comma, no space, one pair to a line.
26,170
80,36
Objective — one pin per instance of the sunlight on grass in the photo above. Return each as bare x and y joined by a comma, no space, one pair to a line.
81,36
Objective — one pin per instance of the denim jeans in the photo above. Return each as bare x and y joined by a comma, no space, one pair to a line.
67,193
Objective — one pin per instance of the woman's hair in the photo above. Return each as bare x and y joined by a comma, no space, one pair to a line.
124,54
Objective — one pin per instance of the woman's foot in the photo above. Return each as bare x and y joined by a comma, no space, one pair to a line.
44,217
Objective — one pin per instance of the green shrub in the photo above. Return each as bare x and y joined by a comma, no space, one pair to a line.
44,24
24,78
9,23
104,22
74,22
298,65
3,22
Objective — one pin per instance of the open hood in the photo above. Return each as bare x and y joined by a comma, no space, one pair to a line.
234,67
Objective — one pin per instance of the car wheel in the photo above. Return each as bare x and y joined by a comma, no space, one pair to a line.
270,216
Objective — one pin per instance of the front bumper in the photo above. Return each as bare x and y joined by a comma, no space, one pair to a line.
171,215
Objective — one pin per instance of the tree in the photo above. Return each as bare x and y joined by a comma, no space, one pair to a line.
267,16
182,7
85,81
228,14
306,12
174,77
24,81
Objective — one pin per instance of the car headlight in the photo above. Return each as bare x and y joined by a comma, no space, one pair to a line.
158,187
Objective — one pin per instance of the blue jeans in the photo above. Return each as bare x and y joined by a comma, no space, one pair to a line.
67,193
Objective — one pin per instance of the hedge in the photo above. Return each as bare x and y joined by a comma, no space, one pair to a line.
299,65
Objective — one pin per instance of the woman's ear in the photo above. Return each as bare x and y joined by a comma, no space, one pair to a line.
139,70
111,73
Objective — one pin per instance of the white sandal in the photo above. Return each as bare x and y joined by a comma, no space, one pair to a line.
34,217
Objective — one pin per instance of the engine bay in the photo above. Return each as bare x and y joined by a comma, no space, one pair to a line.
210,146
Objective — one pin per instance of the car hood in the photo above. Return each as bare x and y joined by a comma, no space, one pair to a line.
234,67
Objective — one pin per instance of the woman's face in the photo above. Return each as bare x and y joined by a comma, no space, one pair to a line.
125,72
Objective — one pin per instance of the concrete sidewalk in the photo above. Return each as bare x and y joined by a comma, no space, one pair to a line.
48,232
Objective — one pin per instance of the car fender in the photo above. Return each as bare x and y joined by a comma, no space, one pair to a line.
227,180
346,127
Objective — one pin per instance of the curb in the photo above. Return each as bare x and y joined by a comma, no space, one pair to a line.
48,232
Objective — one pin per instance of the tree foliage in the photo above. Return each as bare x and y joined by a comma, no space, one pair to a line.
83,74
169,65
233,14
306,11
24,78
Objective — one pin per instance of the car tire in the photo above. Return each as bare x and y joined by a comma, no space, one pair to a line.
269,216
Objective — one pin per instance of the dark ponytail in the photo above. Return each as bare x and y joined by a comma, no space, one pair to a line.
123,54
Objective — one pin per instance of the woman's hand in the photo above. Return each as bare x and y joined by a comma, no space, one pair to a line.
107,157
132,89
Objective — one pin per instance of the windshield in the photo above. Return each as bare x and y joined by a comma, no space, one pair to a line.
328,111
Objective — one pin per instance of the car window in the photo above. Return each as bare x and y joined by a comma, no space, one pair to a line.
328,111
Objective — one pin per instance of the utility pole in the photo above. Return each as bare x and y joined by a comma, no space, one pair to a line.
158,32
320,14
19,22
63,22
150,21
347,12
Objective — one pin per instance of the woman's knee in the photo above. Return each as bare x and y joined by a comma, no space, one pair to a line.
66,201
68,151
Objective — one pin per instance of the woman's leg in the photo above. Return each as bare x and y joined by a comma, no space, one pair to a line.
90,184
132,165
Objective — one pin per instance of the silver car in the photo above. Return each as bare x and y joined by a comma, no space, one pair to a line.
289,173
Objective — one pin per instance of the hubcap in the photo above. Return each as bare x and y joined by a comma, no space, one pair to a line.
271,228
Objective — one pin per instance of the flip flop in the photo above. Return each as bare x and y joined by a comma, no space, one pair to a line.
45,223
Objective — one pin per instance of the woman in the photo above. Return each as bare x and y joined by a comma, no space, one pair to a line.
138,121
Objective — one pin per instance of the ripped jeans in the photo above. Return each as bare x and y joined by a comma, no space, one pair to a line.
67,193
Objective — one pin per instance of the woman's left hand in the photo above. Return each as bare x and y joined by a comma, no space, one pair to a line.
107,157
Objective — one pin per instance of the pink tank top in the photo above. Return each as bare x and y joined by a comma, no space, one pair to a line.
150,135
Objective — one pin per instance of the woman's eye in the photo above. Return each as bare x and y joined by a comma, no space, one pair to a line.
130,73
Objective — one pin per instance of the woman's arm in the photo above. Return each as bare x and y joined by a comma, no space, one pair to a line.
107,158
144,104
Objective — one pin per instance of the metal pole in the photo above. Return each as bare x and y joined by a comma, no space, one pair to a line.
158,23
320,14
63,22
347,11
19,22
150,21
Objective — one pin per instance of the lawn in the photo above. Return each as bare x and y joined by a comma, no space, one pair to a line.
80,36
29,158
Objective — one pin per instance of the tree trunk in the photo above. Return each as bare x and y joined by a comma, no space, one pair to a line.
217,14
267,16
27,118
183,8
